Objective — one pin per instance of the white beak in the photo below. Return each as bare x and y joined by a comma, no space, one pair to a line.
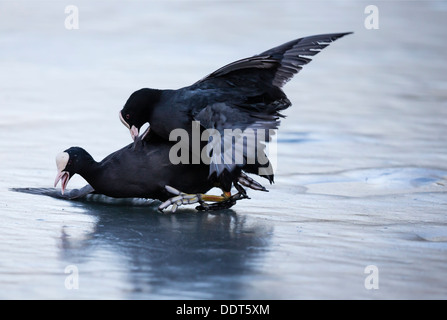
63,176
134,132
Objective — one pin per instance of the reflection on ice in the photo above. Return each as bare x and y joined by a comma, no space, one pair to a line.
170,256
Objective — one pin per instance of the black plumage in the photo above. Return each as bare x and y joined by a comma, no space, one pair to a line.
142,170
245,95
139,170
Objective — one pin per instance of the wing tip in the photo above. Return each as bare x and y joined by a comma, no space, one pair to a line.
331,36
344,34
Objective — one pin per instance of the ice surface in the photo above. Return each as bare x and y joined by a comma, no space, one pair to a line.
361,156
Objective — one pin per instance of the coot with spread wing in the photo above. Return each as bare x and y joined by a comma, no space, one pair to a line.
243,96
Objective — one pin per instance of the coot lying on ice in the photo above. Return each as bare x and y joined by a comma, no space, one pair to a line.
143,170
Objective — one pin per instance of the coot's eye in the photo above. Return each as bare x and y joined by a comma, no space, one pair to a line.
127,116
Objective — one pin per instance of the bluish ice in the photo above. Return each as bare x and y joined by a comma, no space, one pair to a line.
361,158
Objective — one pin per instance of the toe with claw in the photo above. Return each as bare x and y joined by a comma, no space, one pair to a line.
225,204
220,202
179,199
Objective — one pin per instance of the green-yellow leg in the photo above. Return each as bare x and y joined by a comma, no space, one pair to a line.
185,198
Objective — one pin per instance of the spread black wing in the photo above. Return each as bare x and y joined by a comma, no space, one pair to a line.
246,95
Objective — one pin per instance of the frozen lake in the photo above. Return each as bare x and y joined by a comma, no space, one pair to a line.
361,174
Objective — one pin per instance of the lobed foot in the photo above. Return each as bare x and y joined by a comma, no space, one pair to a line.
224,204
221,202
248,182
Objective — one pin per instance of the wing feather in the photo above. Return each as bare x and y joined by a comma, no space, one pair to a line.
285,60
249,98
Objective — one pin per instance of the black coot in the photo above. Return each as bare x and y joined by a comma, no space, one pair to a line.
244,95
143,170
